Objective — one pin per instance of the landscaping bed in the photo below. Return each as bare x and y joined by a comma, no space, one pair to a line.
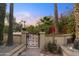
47,53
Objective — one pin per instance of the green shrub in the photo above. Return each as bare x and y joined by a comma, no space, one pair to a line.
24,29
51,47
45,47
76,44
60,50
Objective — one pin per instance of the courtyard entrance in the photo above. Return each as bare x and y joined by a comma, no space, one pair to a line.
32,40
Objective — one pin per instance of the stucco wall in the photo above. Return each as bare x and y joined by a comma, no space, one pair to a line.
60,39
17,38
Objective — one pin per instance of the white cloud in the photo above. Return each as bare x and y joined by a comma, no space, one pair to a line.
28,17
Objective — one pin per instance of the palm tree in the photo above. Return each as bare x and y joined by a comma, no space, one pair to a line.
76,14
2,17
56,15
10,32
46,23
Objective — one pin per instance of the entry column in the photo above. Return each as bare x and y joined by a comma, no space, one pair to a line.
24,37
42,40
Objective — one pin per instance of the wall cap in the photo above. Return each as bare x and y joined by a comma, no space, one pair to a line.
42,32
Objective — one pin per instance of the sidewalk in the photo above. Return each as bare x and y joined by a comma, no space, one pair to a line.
31,52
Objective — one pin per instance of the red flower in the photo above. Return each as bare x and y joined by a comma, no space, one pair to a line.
52,29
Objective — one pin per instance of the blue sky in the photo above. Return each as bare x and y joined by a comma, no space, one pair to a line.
31,11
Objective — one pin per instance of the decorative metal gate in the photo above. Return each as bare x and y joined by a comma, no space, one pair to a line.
32,41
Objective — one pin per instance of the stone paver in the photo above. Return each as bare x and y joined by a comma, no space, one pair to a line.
5,49
32,52
35,52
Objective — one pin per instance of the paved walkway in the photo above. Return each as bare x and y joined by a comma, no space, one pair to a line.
32,52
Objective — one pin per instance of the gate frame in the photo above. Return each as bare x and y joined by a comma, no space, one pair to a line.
33,34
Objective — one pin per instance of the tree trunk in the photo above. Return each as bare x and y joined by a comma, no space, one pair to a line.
56,16
76,14
10,32
2,17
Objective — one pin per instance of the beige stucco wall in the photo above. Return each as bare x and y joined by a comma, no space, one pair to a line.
5,38
17,38
49,39
60,39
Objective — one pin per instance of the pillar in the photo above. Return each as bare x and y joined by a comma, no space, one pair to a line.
42,40
24,37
